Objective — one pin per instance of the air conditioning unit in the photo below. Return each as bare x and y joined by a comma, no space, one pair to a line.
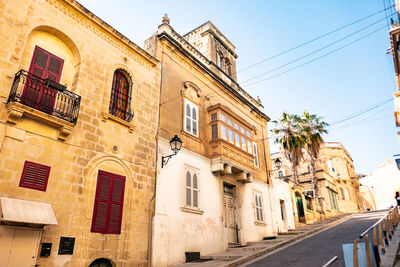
310,193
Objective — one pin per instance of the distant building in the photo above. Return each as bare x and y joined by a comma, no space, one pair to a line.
337,183
383,182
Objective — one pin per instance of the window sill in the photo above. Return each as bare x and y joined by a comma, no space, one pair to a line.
17,110
105,116
198,139
260,223
192,210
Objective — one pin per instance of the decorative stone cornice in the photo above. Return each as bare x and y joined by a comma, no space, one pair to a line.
100,28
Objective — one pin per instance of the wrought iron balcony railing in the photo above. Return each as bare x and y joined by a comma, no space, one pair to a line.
45,95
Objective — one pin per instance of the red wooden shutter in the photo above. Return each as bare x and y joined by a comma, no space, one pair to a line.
116,205
107,212
39,62
34,176
46,65
36,94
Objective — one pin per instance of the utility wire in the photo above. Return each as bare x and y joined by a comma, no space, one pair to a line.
315,51
361,122
298,46
315,39
357,114
317,58
369,117
364,109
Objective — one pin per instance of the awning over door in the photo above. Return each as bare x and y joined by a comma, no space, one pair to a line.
24,211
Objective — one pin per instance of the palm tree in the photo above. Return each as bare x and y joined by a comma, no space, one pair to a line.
312,128
288,134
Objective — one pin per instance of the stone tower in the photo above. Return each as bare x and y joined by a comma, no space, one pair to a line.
215,46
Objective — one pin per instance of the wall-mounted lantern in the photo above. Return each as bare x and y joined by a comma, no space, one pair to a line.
175,145
278,165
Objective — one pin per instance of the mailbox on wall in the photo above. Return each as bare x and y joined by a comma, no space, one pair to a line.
66,245
45,250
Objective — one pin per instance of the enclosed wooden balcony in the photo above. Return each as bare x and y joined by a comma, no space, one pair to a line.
227,159
231,148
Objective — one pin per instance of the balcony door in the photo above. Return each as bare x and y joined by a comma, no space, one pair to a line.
229,213
37,93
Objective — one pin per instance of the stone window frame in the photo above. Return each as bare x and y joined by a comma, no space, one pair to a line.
128,96
190,207
105,112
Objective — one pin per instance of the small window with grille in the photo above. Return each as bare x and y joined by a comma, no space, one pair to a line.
120,100
34,176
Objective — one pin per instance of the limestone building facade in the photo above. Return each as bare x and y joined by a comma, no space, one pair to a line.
337,183
215,191
78,120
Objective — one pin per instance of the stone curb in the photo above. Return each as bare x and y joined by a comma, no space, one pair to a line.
245,259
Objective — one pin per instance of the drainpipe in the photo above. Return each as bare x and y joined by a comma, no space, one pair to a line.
150,234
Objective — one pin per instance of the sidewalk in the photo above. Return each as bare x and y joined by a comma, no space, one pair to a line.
239,255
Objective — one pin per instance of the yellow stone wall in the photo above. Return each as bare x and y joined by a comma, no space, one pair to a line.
92,51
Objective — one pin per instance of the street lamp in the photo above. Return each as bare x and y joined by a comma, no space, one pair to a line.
278,165
176,145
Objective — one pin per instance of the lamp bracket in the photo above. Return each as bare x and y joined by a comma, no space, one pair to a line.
165,159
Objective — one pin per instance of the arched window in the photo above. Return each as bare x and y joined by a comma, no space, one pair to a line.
191,118
228,69
342,193
192,189
120,100
220,60
101,263
258,205
346,194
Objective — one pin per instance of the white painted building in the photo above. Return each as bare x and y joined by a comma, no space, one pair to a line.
216,191
222,203
383,182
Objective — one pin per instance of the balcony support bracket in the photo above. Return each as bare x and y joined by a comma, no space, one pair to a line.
17,110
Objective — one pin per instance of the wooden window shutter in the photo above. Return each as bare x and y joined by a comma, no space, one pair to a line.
46,65
34,176
108,204
116,205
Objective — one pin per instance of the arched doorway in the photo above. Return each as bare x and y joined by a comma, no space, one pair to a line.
300,207
102,262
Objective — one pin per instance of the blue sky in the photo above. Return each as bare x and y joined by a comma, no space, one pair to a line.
335,86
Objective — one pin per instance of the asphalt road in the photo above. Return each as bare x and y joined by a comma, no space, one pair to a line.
318,249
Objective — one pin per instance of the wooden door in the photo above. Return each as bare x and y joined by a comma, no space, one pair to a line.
19,246
36,94
300,209
229,213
